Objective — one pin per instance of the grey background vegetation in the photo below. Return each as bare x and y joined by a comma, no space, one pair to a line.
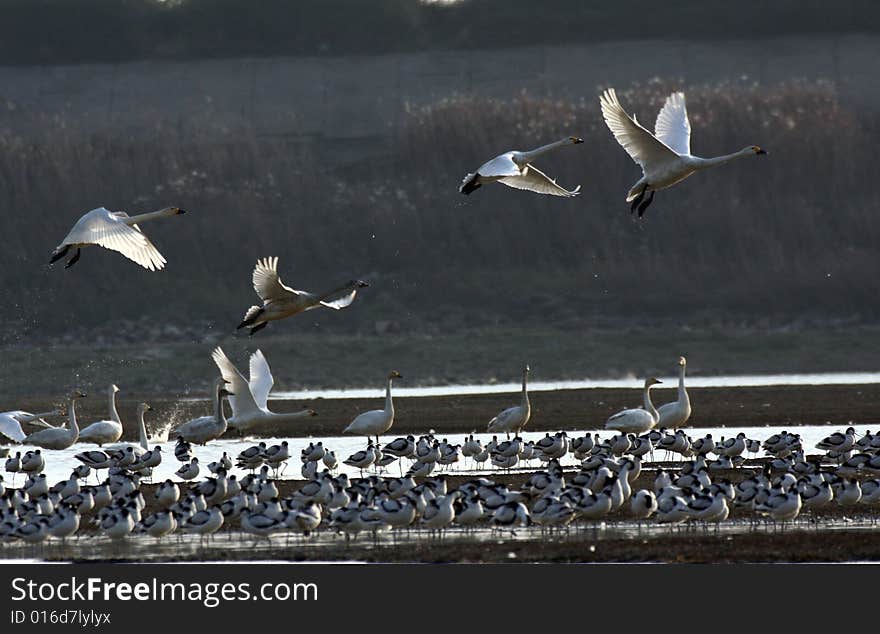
336,137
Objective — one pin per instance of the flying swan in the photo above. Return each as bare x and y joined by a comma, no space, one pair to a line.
515,169
665,156
117,231
280,301
11,422
250,399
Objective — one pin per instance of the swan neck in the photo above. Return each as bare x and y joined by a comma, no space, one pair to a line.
525,390
346,288
682,392
219,412
72,418
288,416
32,417
389,404
142,431
649,406
114,415
162,213
721,160
530,156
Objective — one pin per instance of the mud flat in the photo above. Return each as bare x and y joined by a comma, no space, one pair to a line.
836,405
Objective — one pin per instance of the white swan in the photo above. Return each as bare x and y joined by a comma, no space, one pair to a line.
377,421
514,169
58,437
281,301
104,431
665,156
637,421
205,428
117,231
143,444
250,401
513,419
11,422
678,412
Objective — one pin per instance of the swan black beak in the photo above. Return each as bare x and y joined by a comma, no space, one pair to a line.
760,151
576,140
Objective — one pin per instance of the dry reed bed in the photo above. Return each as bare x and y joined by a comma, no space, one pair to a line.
787,235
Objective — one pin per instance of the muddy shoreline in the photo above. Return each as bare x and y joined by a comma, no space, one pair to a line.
836,405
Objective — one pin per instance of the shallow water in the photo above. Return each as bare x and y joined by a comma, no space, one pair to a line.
59,464
234,545
744,380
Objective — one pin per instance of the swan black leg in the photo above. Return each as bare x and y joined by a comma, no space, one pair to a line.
251,319
645,203
470,185
73,260
638,199
59,254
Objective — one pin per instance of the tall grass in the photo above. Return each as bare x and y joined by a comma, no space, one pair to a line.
784,237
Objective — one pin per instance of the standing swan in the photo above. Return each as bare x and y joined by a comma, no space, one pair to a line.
58,437
280,301
377,421
676,414
104,431
143,444
250,403
665,156
513,419
637,421
514,169
201,430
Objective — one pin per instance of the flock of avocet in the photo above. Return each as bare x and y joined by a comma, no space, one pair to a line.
609,484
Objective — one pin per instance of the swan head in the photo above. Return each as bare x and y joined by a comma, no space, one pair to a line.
222,390
395,375
757,150
682,361
311,413
652,381
144,407
75,394
359,283
114,388
575,139
174,211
